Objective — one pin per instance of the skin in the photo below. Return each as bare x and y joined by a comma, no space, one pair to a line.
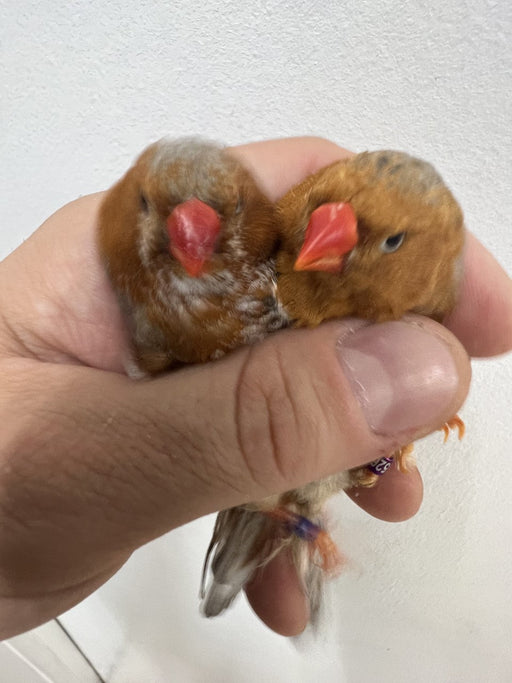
92,466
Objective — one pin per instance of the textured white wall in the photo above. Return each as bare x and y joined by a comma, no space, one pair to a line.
85,86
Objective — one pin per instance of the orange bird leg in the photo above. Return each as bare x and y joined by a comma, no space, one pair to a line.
454,423
368,476
331,560
320,543
404,458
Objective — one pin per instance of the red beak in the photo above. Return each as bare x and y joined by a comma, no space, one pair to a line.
331,233
193,228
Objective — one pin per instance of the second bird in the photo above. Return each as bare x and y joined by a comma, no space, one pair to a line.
375,237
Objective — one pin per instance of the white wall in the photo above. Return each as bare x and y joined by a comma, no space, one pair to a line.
85,86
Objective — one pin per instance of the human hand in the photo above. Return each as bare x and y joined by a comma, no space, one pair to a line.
124,462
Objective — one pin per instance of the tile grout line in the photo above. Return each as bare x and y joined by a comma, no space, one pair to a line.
82,653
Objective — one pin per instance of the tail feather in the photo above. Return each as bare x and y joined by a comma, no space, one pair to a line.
246,539
238,547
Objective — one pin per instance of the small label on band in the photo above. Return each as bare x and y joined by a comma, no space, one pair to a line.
380,466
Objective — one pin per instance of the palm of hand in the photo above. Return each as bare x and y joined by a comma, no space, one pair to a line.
70,313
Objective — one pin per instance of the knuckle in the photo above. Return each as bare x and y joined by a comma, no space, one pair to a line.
273,418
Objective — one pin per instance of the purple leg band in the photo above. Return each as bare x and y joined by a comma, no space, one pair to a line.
380,466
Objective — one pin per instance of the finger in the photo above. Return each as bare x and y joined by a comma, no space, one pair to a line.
276,595
482,319
395,497
280,164
309,403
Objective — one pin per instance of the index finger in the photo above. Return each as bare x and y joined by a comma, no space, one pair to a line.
278,165
482,318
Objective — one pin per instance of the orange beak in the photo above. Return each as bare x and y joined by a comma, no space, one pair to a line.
193,228
331,233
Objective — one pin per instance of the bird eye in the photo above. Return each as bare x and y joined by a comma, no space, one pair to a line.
391,244
143,203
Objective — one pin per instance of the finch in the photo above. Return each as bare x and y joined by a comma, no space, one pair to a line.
188,241
375,237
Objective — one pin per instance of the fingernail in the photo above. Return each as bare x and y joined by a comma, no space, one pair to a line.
403,375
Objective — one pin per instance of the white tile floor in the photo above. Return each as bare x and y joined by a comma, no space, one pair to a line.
44,655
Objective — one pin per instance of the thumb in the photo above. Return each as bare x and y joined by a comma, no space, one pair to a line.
305,404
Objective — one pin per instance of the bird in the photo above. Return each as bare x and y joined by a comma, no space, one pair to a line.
188,241
202,262
374,236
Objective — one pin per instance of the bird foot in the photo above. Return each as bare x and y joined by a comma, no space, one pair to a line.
368,476
404,459
454,423
330,559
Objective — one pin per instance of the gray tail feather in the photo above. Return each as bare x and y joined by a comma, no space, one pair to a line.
312,577
240,544
243,541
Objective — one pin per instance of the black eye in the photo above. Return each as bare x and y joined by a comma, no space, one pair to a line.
392,243
143,202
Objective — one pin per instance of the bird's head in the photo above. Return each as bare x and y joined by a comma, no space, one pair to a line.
185,206
374,236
